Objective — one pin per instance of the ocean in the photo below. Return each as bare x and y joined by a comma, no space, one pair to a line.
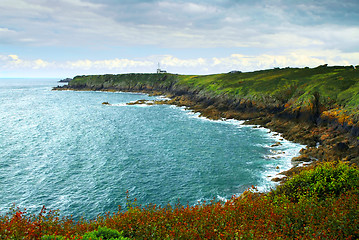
66,151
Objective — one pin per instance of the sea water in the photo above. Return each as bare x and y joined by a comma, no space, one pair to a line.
66,150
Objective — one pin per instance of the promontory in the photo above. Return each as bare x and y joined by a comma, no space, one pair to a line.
318,107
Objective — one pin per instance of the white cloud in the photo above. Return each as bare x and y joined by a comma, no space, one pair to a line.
14,62
39,63
118,64
80,3
172,61
5,30
300,58
189,7
263,25
243,62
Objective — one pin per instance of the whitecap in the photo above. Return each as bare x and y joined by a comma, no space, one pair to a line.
222,199
161,97
118,105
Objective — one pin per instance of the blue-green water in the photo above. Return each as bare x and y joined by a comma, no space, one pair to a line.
67,151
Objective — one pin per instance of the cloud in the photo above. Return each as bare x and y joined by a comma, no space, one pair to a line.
14,62
117,64
186,36
187,7
243,62
5,30
171,61
266,61
180,24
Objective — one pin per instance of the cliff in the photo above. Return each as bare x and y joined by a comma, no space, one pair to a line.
315,106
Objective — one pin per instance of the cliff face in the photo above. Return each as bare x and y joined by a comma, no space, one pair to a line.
309,105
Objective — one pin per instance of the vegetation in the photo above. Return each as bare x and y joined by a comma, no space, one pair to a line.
103,233
321,203
328,179
330,91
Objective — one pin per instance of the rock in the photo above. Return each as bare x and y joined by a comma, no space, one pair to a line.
142,101
276,144
300,159
277,179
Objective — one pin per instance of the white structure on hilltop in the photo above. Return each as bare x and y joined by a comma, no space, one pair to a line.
159,69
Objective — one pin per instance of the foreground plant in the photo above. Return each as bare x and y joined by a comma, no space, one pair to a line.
328,179
321,203
103,233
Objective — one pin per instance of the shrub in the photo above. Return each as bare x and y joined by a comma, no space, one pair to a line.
104,233
52,237
328,179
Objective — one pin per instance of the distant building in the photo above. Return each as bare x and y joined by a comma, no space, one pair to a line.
235,71
159,69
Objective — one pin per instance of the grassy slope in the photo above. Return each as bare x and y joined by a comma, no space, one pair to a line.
336,89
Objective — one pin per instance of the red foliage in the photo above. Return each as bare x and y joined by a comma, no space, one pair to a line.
248,218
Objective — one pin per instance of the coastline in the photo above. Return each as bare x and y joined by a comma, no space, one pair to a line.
297,132
310,106
281,150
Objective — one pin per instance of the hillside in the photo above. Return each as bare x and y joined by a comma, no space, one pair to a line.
321,93
318,107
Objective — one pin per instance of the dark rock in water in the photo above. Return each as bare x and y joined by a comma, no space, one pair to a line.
341,146
105,103
276,144
138,102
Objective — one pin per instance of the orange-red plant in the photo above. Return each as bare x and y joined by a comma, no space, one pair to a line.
248,218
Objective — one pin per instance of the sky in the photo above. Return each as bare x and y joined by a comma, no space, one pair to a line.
65,38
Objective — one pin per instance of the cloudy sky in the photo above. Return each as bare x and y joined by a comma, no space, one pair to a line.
64,38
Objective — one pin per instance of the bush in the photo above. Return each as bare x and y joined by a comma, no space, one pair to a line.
328,179
52,237
104,233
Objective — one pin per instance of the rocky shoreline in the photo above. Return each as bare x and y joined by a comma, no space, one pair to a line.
324,141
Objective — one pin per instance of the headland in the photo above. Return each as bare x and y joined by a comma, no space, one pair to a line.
317,107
